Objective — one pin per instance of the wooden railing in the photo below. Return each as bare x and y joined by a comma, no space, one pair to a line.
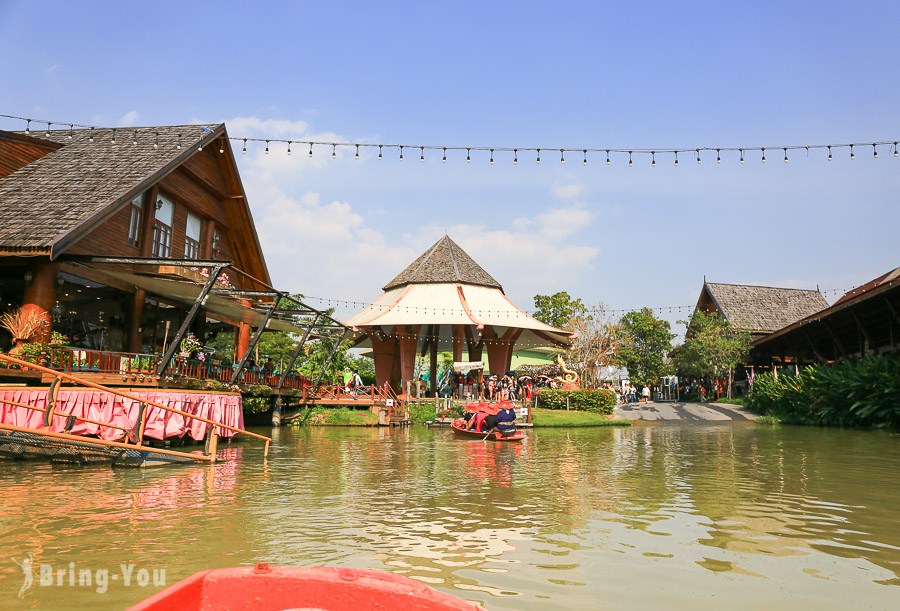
76,360
383,395
135,435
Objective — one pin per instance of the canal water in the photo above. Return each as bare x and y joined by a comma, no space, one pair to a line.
700,516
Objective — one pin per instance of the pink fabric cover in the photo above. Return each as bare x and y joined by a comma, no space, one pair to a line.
107,407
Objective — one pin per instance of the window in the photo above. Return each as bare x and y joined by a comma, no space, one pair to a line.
162,228
192,237
137,215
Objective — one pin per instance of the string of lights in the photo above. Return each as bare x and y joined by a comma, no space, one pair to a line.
670,309
581,153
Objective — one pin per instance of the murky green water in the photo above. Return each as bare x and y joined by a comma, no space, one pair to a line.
661,516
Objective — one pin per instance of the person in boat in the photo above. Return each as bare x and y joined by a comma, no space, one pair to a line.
505,421
482,421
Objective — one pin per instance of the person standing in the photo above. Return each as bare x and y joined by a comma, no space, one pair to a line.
645,394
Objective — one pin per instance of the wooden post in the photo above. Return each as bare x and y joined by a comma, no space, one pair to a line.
213,442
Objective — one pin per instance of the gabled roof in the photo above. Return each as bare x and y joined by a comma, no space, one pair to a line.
47,203
868,286
444,262
762,309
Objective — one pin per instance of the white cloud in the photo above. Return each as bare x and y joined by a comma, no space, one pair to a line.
567,191
129,118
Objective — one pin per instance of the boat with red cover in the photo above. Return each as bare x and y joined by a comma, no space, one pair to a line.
266,588
459,427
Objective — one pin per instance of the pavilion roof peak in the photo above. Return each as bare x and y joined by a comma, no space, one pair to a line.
444,262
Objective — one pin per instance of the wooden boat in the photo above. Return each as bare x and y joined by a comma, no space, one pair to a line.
459,427
328,588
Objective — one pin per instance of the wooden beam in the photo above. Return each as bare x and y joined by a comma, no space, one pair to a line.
204,182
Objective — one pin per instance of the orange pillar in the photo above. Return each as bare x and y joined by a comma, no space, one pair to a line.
242,342
499,350
407,337
40,293
385,351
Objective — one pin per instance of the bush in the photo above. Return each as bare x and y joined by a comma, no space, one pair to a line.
335,416
863,392
602,401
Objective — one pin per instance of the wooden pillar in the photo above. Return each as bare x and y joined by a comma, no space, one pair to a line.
137,317
206,249
40,293
457,342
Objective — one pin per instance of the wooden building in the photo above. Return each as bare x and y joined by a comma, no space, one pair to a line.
115,233
863,321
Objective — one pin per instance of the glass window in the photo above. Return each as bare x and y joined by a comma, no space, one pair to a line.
137,215
192,237
162,228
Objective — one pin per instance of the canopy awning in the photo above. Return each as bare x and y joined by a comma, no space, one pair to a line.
186,293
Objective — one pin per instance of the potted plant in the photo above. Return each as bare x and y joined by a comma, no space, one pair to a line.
24,324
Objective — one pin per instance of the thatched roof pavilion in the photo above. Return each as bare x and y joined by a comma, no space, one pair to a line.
445,301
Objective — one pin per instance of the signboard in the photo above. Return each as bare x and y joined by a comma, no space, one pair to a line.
389,402
461,366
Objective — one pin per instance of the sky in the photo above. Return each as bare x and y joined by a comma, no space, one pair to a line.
649,75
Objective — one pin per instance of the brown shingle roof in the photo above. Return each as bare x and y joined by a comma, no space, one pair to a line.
764,308
444,262
50,198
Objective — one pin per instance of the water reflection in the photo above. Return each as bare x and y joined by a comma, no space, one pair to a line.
652,516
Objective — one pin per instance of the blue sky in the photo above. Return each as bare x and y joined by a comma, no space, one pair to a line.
550,75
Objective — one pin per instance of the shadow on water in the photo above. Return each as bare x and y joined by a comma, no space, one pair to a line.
655,515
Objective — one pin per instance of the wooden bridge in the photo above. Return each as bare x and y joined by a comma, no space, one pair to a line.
392,409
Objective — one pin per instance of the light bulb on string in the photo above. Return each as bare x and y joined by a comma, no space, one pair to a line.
538,157
156,142
310,149
245,147
763,151
379,152
652,159
895,150
178,142
91,135
401,153
134,138
718,156
742,155
852,156
699,161
267,147
28,126
785,156
48,128
829,152
874,152
444,158
516,156
468,155
607,157
492,156
676,159
422,154
357,152
222,146
562,156
585,156
630,164
71,130
334,151
114,136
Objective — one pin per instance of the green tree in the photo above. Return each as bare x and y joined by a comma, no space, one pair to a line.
711,346
643,344
558,310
